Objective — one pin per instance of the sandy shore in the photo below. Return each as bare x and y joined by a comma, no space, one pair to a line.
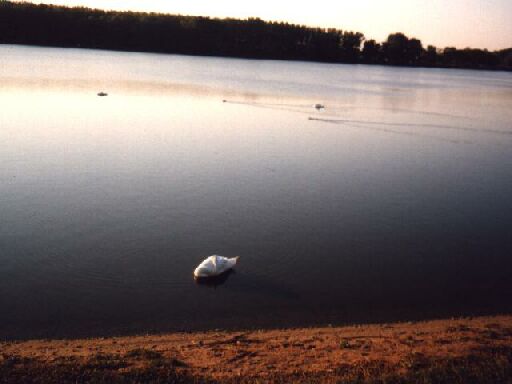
458,350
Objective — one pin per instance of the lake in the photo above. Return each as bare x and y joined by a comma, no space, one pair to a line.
394,202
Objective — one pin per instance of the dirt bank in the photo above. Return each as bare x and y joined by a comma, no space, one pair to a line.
455,350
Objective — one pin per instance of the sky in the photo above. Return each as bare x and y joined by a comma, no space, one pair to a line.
454,23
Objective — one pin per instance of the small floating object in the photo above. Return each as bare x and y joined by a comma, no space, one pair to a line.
214,265
319,106
102,94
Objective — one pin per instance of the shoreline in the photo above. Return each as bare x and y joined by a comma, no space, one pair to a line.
250,58
477,349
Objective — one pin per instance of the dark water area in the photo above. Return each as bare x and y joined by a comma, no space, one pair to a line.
392,203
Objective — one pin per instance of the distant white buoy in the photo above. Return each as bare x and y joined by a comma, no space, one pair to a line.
102,94
214,265
319,106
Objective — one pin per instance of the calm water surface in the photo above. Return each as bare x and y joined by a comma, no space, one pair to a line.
392,203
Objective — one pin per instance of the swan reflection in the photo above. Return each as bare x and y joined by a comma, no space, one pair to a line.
214,281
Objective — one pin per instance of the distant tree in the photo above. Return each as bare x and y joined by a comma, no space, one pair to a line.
414,51
326,44
449,56
470,58
395,48
430,56
371,53
506,58
400,50
351,46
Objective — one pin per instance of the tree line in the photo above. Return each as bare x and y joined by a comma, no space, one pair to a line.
79,27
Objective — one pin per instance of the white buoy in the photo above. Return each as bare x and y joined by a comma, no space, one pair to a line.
215,265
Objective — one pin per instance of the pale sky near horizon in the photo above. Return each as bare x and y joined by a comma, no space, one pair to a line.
459,23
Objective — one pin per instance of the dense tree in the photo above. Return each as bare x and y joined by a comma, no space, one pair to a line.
414,51
400,50
471,58
506,57
48,25
351,46
372,52
395,49
430,56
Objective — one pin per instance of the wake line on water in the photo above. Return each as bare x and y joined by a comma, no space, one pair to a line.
419,125
296,108
429,113
299,108
257,104
341,107
355,123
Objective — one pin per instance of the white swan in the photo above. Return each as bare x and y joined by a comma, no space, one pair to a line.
215,265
